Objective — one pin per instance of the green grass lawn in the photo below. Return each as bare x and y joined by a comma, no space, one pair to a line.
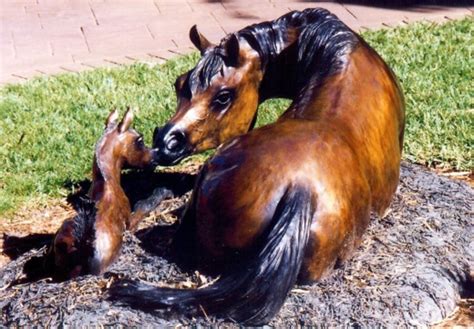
48,126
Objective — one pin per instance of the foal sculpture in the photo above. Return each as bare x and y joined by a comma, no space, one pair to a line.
91,241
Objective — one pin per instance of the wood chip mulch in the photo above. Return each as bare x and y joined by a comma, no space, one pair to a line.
414,268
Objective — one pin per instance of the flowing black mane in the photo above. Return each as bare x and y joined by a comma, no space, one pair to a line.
321,45
309,45
321,35
208,66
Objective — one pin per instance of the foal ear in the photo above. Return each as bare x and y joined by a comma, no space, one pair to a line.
111,121
232,50
198,40
126,121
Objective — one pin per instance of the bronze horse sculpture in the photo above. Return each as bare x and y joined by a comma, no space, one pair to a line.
289,200
91,241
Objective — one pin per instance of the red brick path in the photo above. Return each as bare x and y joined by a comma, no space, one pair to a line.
54,36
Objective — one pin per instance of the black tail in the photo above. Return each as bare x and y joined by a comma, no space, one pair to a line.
256,290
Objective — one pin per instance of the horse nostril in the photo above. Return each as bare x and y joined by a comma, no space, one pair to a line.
175,140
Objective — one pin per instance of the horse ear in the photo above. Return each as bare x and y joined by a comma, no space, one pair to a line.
198,40
179,83
232,50
126,121
111,121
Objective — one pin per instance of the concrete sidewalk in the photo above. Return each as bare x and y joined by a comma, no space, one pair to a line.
56,36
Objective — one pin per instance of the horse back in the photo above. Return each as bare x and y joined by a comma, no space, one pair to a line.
365,100
241,186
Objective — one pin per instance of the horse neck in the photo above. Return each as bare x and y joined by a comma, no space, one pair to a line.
299,50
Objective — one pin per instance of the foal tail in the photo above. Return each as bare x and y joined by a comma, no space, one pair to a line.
255,291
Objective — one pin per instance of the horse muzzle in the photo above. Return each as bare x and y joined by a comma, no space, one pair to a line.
171,145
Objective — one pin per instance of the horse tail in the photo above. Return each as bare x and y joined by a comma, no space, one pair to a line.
257,288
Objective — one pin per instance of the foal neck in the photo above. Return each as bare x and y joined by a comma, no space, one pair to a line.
106,178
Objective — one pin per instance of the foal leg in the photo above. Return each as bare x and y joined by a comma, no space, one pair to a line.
144,207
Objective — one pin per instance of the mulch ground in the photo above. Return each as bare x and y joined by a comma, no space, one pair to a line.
415,267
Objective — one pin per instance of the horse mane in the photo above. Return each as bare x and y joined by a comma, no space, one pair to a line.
208,66
84,223
319,43
313,42
321,35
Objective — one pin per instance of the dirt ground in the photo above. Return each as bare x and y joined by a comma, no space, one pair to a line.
415,266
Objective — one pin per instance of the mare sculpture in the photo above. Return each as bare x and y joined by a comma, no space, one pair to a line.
291,199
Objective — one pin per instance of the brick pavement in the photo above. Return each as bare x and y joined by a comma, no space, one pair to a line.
53,36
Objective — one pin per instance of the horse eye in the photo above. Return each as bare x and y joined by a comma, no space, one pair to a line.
223,98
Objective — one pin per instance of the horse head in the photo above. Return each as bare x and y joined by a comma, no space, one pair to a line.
217,99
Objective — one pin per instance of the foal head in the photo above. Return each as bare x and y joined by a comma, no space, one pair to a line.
119,146
217,99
